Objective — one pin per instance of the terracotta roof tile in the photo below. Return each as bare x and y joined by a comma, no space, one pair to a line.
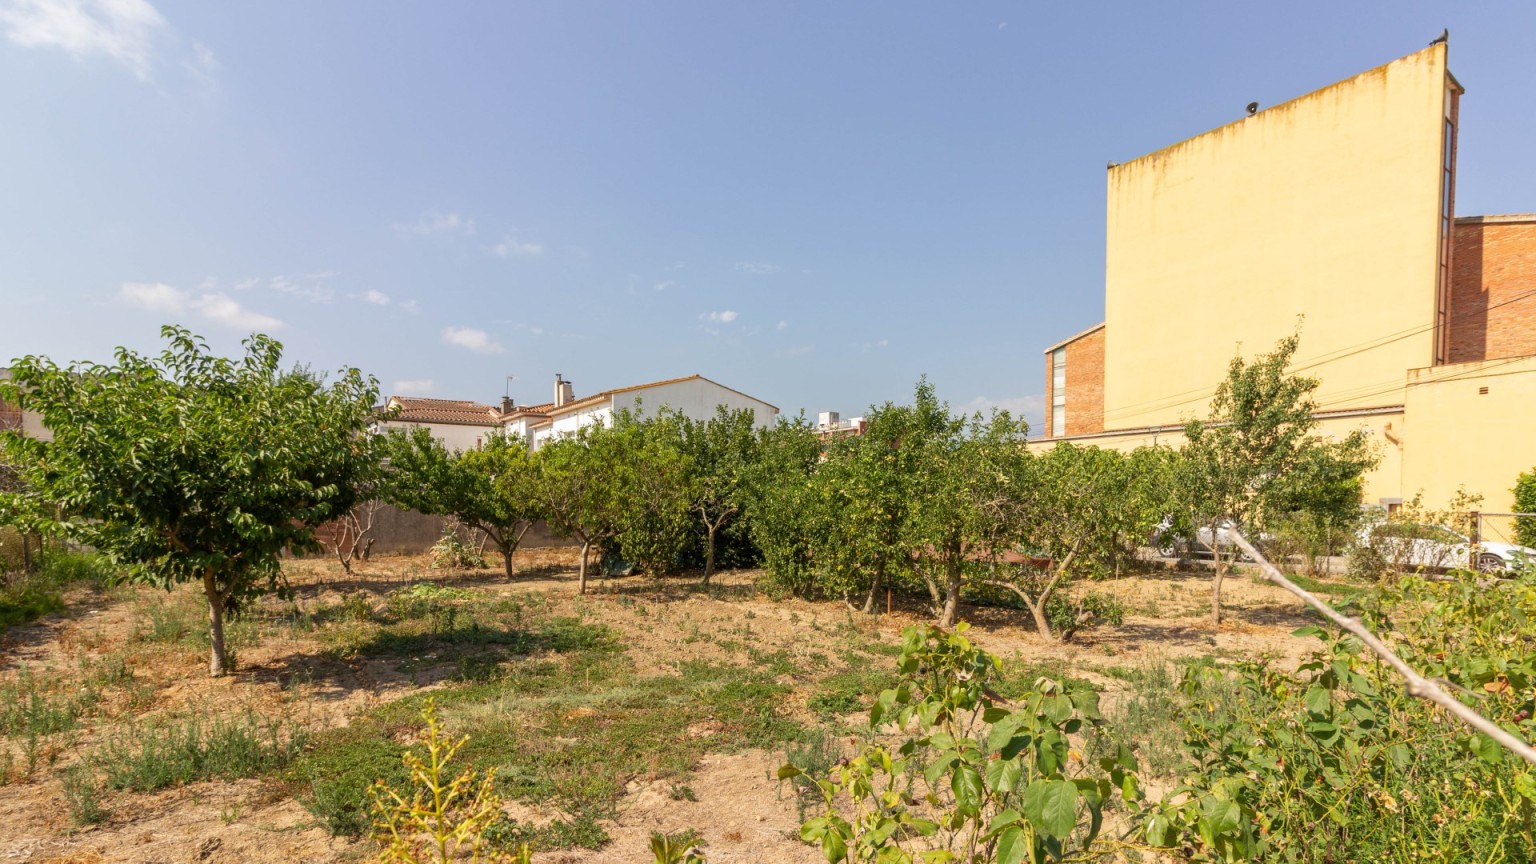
414,409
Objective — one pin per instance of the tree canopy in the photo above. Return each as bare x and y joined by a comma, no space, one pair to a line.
189,466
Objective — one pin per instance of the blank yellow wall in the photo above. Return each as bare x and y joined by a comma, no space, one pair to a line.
1457,436
1326,205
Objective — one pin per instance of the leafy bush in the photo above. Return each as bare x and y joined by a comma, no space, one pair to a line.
1068,615
450,552
981,780
1298,767
437,604
1525,502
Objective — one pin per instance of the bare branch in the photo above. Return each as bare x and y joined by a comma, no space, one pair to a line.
1418,685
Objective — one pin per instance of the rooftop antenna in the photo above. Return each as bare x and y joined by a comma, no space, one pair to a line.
1253,108
508,394
1443,38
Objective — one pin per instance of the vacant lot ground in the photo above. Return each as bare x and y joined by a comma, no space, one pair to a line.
647,705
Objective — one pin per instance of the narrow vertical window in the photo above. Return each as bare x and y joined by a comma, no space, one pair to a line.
1447,229
1059,392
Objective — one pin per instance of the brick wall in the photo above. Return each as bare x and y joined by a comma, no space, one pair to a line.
1085,385
1494,263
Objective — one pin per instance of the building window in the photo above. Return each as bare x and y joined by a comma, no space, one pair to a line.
1443,310
1059,392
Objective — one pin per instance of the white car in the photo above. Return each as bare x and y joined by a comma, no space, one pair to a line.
1411,546
1169,544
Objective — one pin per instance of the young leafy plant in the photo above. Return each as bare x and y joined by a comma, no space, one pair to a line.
980,779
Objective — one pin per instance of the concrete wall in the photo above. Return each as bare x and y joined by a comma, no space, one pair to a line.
407,532
1325,206
1494,266
1470,424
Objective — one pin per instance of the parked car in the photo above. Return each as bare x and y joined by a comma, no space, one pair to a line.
1414,546
1170,542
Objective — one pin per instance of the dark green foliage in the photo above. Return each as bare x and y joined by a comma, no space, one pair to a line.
190,467
489,489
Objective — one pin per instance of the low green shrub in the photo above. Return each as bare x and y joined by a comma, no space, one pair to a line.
146,757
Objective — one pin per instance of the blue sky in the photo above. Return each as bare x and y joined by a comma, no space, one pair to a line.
814,203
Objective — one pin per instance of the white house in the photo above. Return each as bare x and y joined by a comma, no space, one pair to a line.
695,397
458,424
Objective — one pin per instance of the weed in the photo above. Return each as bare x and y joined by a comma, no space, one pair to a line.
678,847
231,814
146,758
442,815
681,792
82,796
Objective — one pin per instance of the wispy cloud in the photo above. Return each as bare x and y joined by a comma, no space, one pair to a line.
434,222
471,339
667,285
120,30
510,246
756,268
377,298
782,325
725,316
216,307
312,287
1030,408
800,350
224,309
870,346
413,387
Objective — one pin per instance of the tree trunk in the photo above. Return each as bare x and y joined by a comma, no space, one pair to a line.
1221,573
709,552
218,659
1037,609
581,574
506,557
951,595
869,596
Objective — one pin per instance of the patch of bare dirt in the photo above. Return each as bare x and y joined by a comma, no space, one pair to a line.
732,800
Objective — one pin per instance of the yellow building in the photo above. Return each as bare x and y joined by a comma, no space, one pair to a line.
1333,212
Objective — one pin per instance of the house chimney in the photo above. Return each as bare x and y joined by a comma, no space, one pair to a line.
563,391
507,404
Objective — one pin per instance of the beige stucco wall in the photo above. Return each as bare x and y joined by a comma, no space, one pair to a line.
1457,436
1326,206
1384,430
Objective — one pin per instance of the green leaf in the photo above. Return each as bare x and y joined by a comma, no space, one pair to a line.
1003,775
1222,816
1059,813
1012,846
966,784
1486,749
788,771
1318,700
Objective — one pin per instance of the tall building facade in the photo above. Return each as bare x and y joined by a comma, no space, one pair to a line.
1333,215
